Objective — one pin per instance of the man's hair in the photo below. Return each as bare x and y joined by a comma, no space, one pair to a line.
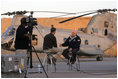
52,29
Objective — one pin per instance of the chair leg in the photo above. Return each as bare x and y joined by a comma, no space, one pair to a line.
70,64
52,63
55,67
77,63
45,61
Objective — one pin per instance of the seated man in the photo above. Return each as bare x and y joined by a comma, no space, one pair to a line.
50,42
73,42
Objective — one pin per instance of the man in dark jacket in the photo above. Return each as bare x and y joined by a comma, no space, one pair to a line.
50,44
73,42
50,40
22,36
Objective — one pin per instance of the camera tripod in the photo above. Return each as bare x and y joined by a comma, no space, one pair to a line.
30,52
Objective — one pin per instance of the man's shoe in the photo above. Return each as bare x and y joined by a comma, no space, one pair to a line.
54,60
48,60
73,62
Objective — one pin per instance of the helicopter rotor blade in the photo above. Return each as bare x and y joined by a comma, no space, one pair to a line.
66,13
77,17
53,12
24,12
100,11
4,14
72,14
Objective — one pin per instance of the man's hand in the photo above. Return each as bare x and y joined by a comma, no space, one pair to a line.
27,35
70,49
60,45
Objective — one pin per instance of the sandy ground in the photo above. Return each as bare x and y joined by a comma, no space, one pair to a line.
89,68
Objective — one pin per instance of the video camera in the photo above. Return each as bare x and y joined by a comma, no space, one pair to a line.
31,21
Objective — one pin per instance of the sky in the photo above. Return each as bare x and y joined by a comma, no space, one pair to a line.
72,6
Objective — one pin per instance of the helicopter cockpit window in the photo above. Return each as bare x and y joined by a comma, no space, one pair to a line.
9,32
86,42
34,39
106,23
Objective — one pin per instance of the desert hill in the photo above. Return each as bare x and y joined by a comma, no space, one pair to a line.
73,24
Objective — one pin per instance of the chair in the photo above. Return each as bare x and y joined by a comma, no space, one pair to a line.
49,59
77,63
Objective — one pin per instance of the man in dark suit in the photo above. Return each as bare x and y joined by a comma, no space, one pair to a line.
73,42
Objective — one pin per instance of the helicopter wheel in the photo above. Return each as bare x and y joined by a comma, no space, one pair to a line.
99,58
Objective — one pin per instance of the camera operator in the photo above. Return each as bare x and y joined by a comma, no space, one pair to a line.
22,36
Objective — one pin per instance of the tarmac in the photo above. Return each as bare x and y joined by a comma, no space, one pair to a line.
89,68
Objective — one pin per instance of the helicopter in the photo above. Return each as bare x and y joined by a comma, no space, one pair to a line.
99,35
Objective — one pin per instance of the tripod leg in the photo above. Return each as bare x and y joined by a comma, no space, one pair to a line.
40,62
31,66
